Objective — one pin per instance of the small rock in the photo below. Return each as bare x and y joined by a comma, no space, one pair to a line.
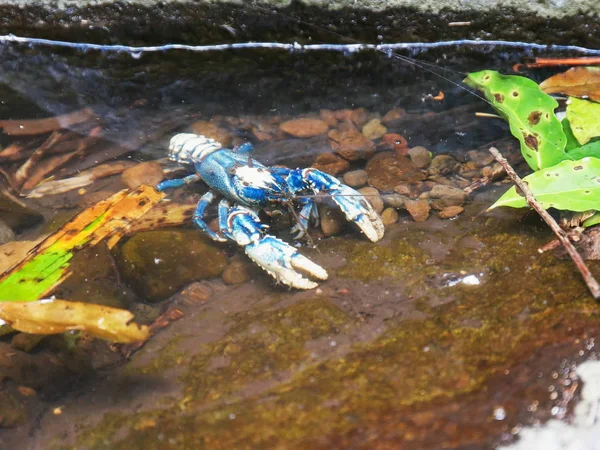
145,313
157,264
393,114
418,209
394,142
303,128
359,117
6,233
420,156
373,129
332,220
386,171
447,196
328,116
331,164
394,200
26,342
351,144
443,165
149,173
346,125
373,197
480,158
237,272
198,292
450,211
356,178
344,115
493,171
264,131
12,412
402,189
389,216
212,131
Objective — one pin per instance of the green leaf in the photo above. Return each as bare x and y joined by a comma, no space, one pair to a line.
583,117
530,114
594,220
576,151
570,185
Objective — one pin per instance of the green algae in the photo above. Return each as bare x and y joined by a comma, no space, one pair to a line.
414,363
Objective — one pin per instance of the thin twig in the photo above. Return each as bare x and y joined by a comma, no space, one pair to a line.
589,279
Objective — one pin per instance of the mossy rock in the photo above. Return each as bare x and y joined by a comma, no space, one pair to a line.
157,264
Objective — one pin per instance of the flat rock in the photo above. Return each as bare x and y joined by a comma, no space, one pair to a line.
331,163
212,131
351,144
450,212
356,178
373,197
443,165
420,156
305,127
447,196
389,216
418,209
157,264
236,272
393,114
373,129
387,170
149,173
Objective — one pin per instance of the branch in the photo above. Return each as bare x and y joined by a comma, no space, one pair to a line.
589,279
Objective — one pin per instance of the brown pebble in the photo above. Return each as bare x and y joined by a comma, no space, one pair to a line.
303,128
418,209
198,292
450,212
389,216
149,173
351,144
331,164
237,272
373,197
355,178
373,129
332,220
212,131
359,117
402,189
420,156
393,114
328,116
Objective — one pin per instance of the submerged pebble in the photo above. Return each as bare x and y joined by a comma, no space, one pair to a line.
332,220
149,173
418,209
373,129
356,178
373,197
389,216
157,264
447,196
331,164
303,128
450,212
237,272
351,144
420,156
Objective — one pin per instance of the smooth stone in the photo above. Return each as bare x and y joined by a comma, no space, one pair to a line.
328,116
331,163
6,233
387,170
359,117
443,165
373,197
393,114
351,144
418,209
149,173
332,220
236,272
395,200
389,216
420,156
212,131
157,264
449,193
373,129
450,212
303,128
356,178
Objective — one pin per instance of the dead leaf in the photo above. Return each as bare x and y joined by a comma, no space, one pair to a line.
57,316
48,125
165,214
576,82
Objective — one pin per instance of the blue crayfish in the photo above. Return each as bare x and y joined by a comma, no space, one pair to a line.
248,186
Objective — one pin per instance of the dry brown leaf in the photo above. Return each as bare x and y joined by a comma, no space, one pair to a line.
57,316
41,126
165,214
576,82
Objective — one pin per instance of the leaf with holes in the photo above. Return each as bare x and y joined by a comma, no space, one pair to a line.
583,118
570,185
530,114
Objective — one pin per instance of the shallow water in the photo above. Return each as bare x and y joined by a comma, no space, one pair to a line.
447,333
